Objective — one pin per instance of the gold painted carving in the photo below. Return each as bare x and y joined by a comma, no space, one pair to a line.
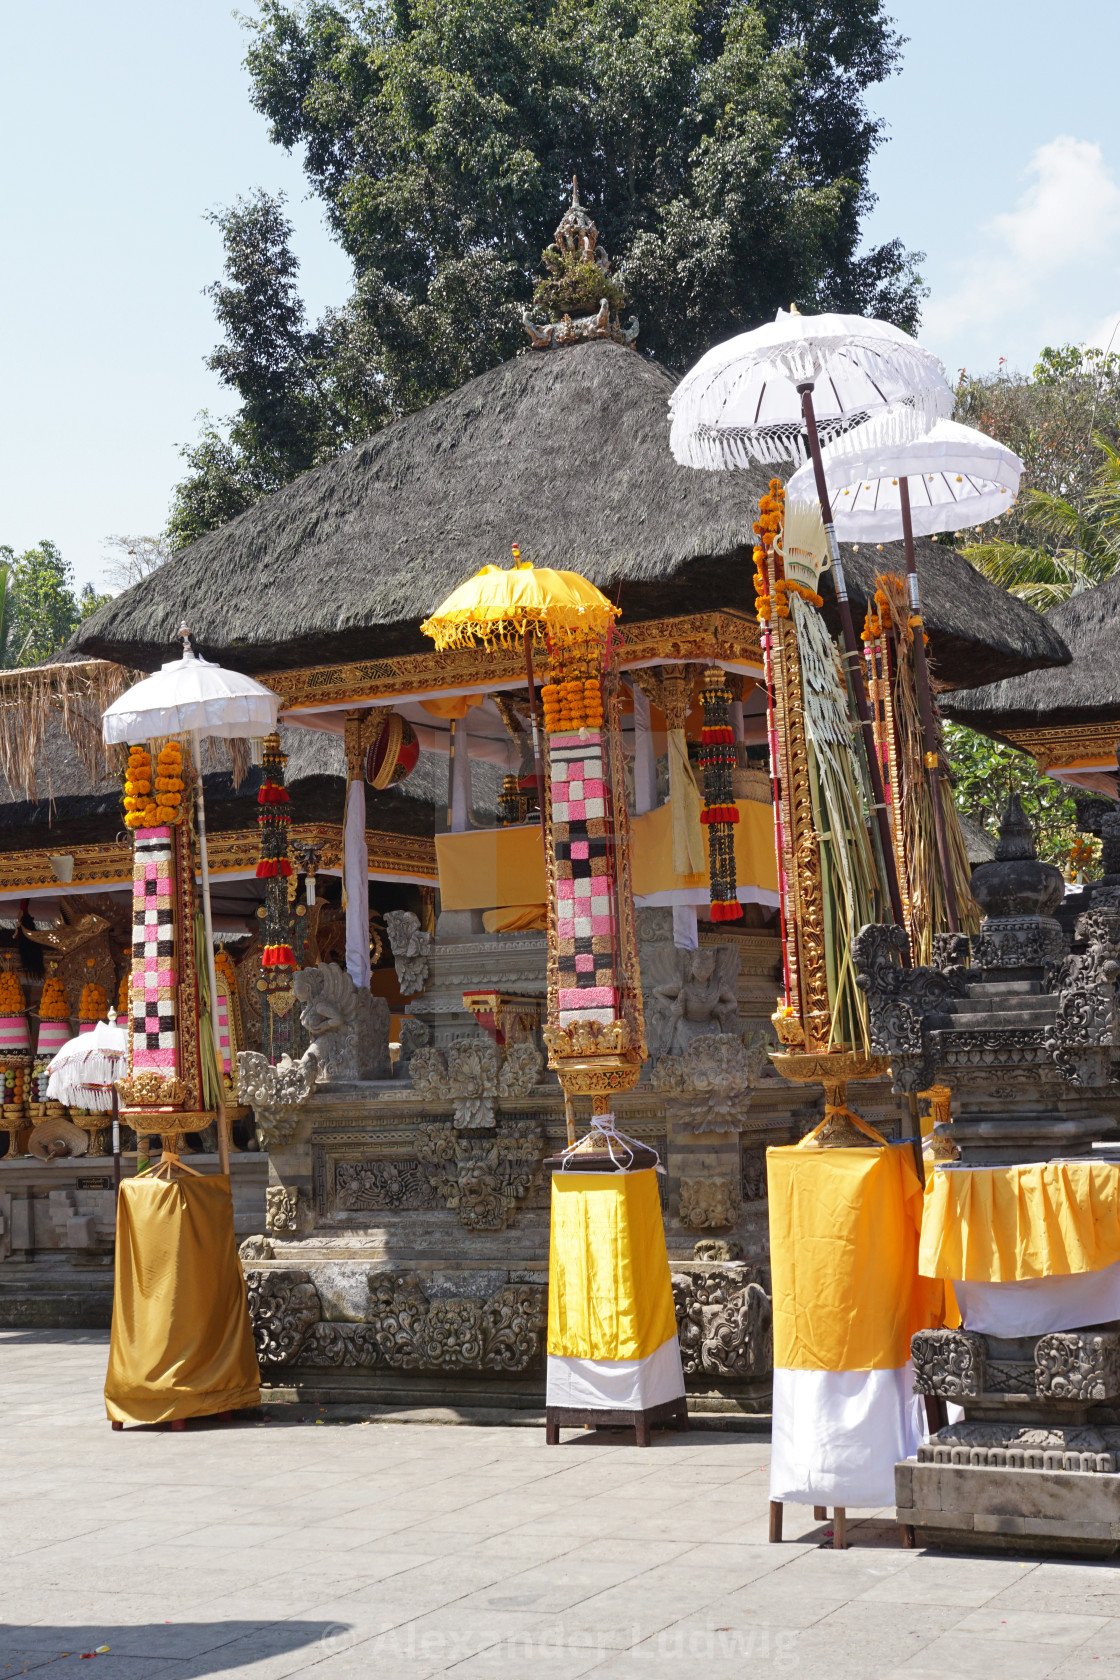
362,730
150,1089
1067,745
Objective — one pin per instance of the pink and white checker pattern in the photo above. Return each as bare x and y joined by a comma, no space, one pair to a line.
154,973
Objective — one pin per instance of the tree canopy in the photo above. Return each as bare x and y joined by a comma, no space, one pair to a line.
722,146
39,607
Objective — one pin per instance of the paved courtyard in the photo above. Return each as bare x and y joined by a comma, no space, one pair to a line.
337,1549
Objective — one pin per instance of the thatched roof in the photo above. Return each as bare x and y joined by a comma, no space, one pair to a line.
565,452
1085,691
980,845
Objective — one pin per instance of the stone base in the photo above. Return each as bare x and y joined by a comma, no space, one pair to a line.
985,1509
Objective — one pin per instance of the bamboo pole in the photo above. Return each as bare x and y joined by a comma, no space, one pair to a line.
855,663
538,765
211,971
925,703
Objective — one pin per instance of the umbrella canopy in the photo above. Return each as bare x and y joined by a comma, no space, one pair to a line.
741,403
191,695
957,477
83,1071
495,606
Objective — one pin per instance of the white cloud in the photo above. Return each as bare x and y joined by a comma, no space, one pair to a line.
1035,273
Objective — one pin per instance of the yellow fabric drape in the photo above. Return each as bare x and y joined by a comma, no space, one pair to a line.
844,1227
609,1291
1010,1224
490,868
651,850
684,802
453,706
515,918
181,1343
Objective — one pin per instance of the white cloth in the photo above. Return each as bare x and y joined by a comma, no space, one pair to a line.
837,1435
702,895
355,863
957,477
461,778
609,1385
686,935
1037,1305
645,759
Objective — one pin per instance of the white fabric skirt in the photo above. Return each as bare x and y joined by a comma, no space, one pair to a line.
623,1385
1037,1305
837,1435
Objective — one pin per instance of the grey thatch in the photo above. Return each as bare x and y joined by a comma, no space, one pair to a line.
1085,691
981,845
566,453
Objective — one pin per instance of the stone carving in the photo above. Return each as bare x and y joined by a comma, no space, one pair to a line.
472,1075
282,1209
411,951
282,1306
1017,941
708,1203
724,1323
404,1330
483,1179
898,1000
1078,1365
1006,1446
717,1248
275,1093
709,1083
414,1034
349,1027
1085,1032
950,1363
688,994
552,334
254,1249
754,1175
1017,884
382,1187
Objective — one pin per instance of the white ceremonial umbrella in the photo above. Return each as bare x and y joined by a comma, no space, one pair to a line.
84,1072
190,695
882,488
768,394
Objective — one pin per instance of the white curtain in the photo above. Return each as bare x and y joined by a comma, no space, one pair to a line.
355,876
686,934
461,777
645,759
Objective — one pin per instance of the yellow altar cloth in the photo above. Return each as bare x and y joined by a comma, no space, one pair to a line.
609,1290
844,1227
651,850
1010,1224
494,868
181,1343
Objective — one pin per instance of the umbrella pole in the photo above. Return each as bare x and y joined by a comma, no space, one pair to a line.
538,767
116,1142
211,971
855,665
925,703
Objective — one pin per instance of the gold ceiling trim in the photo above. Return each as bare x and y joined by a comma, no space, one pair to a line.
720,636
109,863
1068,746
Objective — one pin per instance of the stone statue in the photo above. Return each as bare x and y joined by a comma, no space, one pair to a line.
275,1093
349,1027
708,1086
473,1075
694,993
411,948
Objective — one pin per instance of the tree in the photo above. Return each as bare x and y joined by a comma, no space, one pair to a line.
723,147
984,772
39,611
133,558
1063,534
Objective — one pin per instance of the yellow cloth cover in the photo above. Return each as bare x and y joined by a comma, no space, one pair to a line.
651,850
490,868
1010,1224
514,918
844,1227
181,1344
454,706
609,1292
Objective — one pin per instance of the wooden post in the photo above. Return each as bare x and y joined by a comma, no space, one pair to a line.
775,1522
855,664
538,764
925,705
839,1529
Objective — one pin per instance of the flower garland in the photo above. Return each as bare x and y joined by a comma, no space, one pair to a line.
54,1004
720,813
274,867
573,699
94,1005
148,807
11,995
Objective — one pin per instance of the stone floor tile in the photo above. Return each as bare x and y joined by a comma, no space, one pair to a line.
968,1656
1047,1628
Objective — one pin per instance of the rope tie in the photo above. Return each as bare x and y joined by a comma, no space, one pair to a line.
603,1126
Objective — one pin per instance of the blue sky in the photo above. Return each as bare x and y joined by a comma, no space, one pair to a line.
122,123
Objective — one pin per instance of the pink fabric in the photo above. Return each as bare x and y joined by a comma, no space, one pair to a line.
591,997
153,1058
576,812
580,849
602,925
585,963
566,889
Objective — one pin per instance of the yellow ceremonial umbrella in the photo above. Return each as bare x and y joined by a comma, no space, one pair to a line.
496,606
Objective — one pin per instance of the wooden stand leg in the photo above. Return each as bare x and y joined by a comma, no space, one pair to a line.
551,1433
682,1417
909,1539
820,1513
775,1522
178,1423
117,1425
642,1432
839,1529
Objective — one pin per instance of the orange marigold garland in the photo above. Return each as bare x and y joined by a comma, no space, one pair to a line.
720,813
274,868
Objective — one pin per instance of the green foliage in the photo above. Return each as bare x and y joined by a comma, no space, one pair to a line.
722,146
1063,533
984,772
575,288
40,611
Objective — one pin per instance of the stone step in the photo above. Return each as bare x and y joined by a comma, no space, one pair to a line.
1028,1003
997,1020
1004,988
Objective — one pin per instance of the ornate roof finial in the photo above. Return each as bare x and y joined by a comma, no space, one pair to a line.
579,279
575,192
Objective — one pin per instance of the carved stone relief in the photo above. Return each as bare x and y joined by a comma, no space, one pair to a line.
950,1363
275,1093
382,1187
709,1084
708,1203
411,948
349,1027
282,1209
688,994
482,1178
754,1175
1078,1365
724,1323
472,1074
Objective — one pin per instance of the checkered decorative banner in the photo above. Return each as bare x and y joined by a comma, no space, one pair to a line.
585,904
154,1037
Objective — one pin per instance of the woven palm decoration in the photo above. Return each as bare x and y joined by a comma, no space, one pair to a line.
274,868
720,813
